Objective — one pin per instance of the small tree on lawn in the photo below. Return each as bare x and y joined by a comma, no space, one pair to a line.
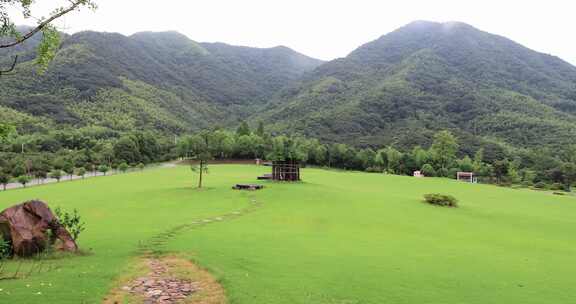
24,180
103,169
90,168
41,175
141,166
69,169
81,172
4,180
56,174
200,149
123,167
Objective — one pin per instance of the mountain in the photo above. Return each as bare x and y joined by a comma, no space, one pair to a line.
397,90
427,76
150,80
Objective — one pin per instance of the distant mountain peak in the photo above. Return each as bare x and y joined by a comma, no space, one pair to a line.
443,74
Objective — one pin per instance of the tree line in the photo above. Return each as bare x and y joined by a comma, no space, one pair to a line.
443,158
78,152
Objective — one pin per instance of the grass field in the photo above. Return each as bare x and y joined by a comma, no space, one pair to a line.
337,238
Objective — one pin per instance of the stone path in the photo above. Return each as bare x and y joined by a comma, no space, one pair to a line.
159,286
154,245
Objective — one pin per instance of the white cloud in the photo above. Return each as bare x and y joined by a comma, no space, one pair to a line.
329,29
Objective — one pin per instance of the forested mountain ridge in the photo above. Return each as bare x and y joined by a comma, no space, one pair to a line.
162,81
427,76
397,90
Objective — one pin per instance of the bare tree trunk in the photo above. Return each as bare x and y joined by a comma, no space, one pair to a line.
201,173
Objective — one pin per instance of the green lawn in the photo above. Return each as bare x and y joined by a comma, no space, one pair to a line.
337,238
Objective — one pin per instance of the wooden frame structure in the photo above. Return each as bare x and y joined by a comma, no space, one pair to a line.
288,171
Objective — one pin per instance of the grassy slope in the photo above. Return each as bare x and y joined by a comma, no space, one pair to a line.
120,211
339,238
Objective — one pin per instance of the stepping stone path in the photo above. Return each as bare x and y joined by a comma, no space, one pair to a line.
159,287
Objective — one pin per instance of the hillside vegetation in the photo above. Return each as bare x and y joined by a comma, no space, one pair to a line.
426,76
151,81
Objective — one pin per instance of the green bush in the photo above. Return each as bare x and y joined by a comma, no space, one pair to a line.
123,167
557,186
72,221
5,248
374,170
540,185
441,200
428,170
24,180
103,169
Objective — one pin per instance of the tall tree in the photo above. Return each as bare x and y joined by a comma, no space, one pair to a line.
5,131
569,172
260,130
393,160
243,129
444,149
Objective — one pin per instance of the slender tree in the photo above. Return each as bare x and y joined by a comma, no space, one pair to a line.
81,172
56,174
201,150
4,180
243,129
260,130
444,150
24,180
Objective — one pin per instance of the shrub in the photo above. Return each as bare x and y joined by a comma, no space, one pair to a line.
373,170
141,166
441,200
81,172
4,180
5,248
71,221
540,185
452,172
557,186
123,167
103,169
56,174
24,180
428,170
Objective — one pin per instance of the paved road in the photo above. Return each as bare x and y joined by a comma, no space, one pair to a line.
38,182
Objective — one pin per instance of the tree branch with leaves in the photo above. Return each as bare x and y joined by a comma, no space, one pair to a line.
10,37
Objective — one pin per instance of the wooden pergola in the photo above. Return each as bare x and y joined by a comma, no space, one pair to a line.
286,171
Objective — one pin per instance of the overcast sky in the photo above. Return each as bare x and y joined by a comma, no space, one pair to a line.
329,29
